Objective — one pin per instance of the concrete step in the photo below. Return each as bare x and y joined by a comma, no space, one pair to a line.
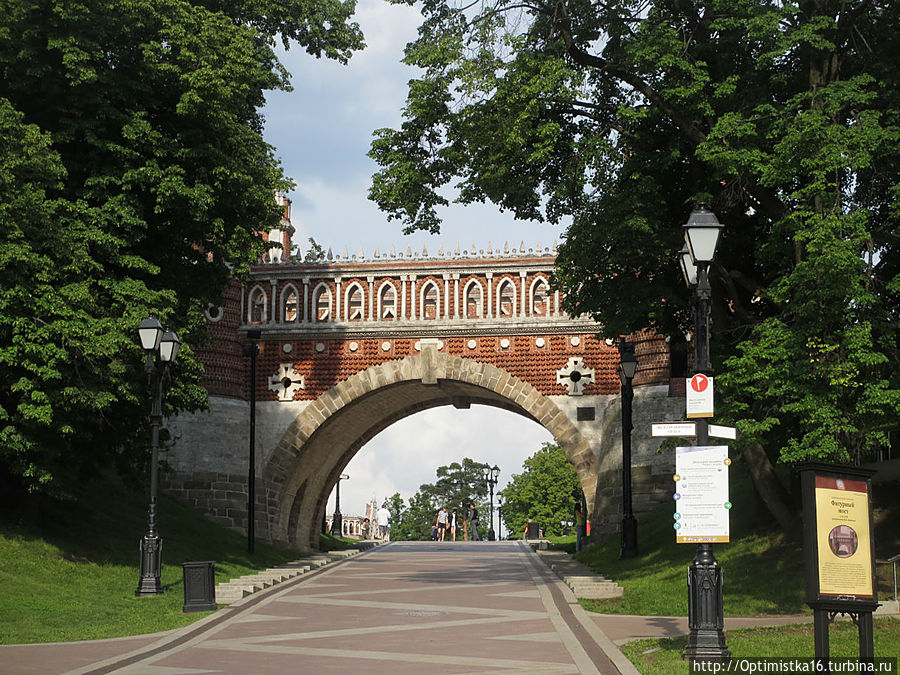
584,582
235,589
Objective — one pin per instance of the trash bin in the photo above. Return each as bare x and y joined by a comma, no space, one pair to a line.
199,586
533,531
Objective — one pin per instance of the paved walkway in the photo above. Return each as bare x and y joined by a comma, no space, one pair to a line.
464,607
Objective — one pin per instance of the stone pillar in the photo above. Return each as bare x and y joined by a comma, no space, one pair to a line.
306,300
489,306
524,291
337,299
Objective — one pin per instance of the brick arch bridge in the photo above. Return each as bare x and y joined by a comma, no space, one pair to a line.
304,465
350,344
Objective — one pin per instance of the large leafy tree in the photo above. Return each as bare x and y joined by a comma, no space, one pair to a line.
134,179
546,491
622,115
457,485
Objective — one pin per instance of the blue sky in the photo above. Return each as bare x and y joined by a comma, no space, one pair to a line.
322,132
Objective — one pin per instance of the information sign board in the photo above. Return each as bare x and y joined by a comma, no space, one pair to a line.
699,394
702,506
674,429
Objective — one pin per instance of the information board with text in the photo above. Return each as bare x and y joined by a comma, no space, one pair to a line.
702,505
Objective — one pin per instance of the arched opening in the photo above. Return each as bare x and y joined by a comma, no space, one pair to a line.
387,302
473,300
322,302
354,302
326,436
506,299
289,304
256,306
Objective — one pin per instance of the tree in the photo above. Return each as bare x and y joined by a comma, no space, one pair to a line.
135,180
546,492
458,484
414,522
622,116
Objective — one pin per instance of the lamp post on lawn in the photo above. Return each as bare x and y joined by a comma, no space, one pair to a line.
336,524
251,349
491,474
627,369
706,640
162,347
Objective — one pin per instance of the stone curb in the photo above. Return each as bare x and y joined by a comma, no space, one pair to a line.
233,590
584,582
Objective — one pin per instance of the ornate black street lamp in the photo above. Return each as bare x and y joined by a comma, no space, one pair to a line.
336,521
491,474
162,347
251,349
706,640
627,369
499,516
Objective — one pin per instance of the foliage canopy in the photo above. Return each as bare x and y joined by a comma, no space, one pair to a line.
134,180
622,115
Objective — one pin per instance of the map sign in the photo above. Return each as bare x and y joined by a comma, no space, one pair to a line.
701,499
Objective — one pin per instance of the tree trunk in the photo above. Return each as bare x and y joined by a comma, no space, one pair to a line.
773,494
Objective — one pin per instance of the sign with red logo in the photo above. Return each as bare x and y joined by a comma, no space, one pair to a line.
699,396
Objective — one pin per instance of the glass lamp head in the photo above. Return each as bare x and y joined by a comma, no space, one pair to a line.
150,332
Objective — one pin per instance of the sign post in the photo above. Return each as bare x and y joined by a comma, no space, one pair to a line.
839,551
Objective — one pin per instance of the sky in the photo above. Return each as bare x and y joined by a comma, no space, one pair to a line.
322,132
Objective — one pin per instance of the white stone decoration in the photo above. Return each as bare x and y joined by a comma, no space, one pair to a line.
540,342
472,344
354,346
320,347
385,346
504,343
575,375
429,341
285,382
287,348
214,313
575,341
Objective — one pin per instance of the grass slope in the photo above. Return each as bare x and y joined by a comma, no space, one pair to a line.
71,575
763,570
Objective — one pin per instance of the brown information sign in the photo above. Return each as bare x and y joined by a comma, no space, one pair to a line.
843,539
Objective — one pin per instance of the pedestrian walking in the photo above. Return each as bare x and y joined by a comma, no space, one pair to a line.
443,519
579,527
472,517
454,523
384,521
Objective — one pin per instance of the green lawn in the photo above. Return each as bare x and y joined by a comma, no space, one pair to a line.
663,656
763,571
72,575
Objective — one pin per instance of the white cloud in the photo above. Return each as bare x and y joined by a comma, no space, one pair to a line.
322,132
406,454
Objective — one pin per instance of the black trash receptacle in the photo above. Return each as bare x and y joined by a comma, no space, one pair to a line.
533,531
199,586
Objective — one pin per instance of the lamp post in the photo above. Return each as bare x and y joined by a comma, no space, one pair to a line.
251,349
500,517
162,347
491,474
706,640
336,524
627,369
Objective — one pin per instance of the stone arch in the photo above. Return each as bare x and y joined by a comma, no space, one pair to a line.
311,454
